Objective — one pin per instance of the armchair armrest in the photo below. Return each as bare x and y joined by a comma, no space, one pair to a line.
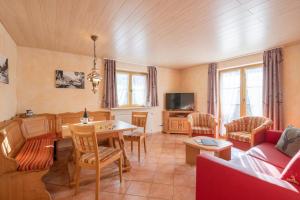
258,135
218,179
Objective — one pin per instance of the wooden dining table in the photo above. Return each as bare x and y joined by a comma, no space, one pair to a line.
107,129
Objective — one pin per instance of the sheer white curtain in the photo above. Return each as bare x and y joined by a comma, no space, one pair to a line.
254,91
230,97
122,88
139,90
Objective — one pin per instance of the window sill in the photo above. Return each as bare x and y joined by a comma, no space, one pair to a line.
131,108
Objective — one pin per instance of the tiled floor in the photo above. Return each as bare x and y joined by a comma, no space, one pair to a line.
161,174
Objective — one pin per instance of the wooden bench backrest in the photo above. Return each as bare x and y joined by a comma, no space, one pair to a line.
11,139
71,118
35,126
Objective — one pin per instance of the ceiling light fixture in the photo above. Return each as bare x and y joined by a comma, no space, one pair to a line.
94,77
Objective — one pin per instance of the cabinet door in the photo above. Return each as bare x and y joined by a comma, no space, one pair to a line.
174,124
185,125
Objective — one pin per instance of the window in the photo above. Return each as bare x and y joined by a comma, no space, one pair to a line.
131,89
240,94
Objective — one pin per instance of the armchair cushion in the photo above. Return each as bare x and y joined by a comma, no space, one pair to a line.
292,171
242,136
269,154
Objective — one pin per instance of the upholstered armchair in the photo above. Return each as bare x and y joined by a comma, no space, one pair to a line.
202,124
246,132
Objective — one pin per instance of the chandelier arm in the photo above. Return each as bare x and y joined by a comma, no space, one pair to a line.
94,54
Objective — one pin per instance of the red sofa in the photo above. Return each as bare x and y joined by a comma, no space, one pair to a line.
253,176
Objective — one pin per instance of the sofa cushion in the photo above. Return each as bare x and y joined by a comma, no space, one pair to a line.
36,154
240,136
256,165
268,153
292,171
289,142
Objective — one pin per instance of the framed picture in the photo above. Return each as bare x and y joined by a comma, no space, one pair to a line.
4,70
69,79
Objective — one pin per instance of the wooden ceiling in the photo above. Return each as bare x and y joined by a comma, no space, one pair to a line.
171,33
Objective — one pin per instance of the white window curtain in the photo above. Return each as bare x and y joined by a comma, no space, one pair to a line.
122,88
230,97
139,90
254,91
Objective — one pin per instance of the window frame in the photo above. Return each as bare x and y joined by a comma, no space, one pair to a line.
130,74
243,103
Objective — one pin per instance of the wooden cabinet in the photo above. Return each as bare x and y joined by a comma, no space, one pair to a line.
176,122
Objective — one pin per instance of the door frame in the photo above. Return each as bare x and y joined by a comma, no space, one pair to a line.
243,108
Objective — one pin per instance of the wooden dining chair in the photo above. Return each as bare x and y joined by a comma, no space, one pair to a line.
91,156
138,119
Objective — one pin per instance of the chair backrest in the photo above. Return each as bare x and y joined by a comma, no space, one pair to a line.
202,119
84,139
139,119
11,139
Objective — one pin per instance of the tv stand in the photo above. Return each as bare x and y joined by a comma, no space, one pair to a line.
176,121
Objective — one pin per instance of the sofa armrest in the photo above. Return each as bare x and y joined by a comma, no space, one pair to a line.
272,136
218,179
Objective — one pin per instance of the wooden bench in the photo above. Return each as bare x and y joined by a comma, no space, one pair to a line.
26,156
26,152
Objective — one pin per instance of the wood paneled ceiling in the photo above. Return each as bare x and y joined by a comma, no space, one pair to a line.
171,33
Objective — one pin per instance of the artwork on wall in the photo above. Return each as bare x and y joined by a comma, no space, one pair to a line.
3,69
65,79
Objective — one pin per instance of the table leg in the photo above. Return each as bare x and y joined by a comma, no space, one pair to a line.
126,163
191,154
224,154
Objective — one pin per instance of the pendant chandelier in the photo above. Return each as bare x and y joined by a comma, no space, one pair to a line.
94,77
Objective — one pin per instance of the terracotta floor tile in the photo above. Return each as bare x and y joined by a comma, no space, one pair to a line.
144,176
166,168
139,188
163,178
184,193
161,191
184,180
120,188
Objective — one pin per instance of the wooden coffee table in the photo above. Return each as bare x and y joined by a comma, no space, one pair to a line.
192,149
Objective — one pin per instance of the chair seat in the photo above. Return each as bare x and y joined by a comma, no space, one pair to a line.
241,136
202,130
104,154
133,134
36,154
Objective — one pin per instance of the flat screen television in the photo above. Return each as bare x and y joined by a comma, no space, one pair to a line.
180,101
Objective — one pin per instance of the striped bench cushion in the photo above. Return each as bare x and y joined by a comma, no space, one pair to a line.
36,154
104,153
